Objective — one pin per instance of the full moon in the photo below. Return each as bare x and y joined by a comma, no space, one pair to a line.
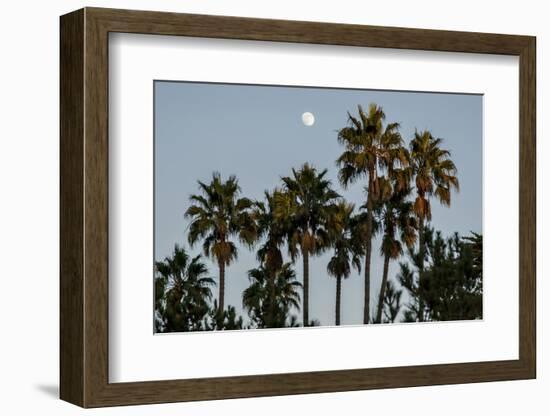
308,119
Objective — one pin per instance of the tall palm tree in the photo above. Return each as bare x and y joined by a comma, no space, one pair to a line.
370,149
272,230
264,291
186,291
308,203
347,250
435,176
397,218
217,215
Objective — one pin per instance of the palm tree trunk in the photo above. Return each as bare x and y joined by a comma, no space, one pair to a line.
368,250
422,255
221,305
338,296
305,257
382,289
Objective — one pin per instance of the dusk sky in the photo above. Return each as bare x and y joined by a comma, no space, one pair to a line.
257,134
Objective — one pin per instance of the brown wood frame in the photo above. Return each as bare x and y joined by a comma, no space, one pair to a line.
84,210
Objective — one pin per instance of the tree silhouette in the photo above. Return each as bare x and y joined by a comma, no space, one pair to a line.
218,214
392,302
434,176
269,301
273,226
369,150
475,242
346,250
452,285
307,204
226,320
396,217
182,292
441,276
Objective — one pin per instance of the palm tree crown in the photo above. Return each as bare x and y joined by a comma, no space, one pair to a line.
311,206
435,172
184,285
282,292
369,148
272,224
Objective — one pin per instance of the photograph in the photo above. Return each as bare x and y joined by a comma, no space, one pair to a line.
306,206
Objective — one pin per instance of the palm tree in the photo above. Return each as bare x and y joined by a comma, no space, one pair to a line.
347,250
308,203
185,290
396,216
435,176
264,291
370,150
272,223
272,230
218,214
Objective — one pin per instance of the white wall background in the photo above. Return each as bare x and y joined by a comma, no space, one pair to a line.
29,237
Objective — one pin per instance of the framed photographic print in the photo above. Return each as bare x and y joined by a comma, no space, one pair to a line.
260,207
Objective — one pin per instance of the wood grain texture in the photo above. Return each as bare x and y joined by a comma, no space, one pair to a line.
84,207
71,208
162,23
527,208
96,219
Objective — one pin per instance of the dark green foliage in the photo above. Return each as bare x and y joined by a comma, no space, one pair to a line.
182,293
451,285
475,242
272,294
226,320
392,302
160,297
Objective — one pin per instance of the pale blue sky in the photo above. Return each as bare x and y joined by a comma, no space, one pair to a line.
256,133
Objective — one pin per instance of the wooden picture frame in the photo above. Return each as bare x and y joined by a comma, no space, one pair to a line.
84,207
